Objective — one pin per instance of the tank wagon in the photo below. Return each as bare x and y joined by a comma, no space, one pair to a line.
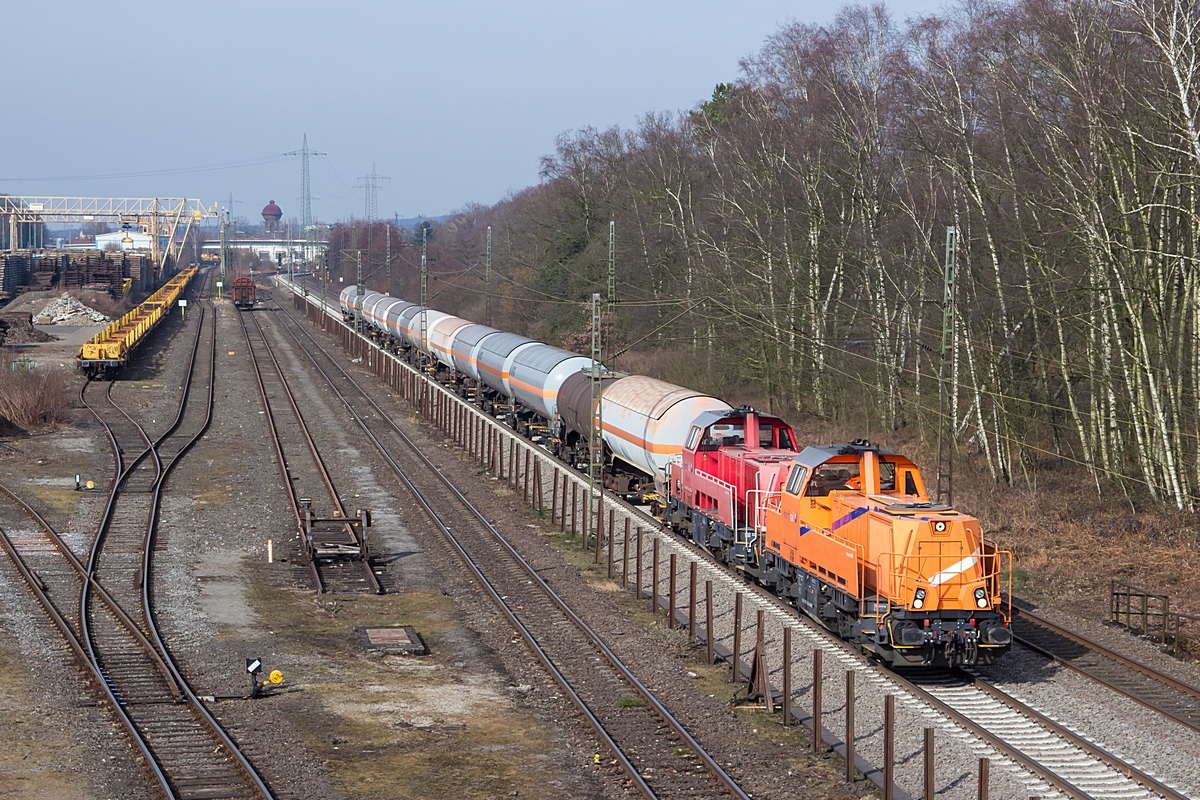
844,532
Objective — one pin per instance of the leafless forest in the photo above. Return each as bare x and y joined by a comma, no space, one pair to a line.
784,241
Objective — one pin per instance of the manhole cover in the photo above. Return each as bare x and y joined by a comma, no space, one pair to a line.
394,638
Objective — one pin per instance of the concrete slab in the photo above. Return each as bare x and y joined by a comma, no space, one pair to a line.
394,639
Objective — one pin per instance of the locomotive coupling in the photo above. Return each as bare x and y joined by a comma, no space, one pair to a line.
917,642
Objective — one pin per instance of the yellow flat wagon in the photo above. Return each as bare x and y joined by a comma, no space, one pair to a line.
111,347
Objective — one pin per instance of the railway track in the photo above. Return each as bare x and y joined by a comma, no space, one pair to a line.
103,609
330,548
1154,690
658,756
1068,764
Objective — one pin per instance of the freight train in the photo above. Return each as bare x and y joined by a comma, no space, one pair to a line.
846,533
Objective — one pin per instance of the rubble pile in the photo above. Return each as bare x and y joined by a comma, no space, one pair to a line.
66,310
17,328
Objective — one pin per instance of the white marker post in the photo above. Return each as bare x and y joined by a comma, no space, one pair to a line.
219,285
183,308
270,551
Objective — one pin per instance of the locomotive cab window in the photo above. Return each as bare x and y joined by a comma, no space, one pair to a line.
833,478
775,436
693,438
796,479
887,476
723,434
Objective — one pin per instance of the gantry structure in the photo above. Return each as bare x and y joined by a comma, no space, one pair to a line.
160,217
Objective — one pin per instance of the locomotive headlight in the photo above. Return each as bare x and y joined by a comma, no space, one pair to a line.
919,599
939,526
981,597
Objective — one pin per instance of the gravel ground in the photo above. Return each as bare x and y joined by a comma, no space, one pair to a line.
347,722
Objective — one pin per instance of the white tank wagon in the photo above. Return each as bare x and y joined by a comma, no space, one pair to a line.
390,315
404,325
495,360
348,301
465,349
441,337
372,305
535,377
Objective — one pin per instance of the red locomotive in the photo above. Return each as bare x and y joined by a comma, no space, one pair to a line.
244,295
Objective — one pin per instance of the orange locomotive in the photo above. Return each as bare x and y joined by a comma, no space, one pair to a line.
847,534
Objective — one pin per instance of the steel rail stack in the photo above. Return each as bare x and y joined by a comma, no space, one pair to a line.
110,349
591,675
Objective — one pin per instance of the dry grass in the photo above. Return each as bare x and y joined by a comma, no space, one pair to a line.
33,399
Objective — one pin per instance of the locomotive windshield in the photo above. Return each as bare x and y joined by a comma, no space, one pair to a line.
733,434
845,476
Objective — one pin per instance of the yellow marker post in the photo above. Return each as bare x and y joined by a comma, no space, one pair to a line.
276,677
183,308
219,285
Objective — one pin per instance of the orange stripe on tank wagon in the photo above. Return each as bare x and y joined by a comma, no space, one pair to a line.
661,449
531,389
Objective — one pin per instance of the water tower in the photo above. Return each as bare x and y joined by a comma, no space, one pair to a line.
271,215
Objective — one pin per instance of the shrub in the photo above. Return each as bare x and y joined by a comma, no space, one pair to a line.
35,398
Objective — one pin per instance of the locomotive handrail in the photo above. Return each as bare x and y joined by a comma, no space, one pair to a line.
731,492
760,506
902,580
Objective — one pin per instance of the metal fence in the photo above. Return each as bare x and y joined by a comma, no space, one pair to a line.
1150,615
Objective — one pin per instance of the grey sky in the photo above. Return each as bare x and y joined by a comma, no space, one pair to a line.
455,101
